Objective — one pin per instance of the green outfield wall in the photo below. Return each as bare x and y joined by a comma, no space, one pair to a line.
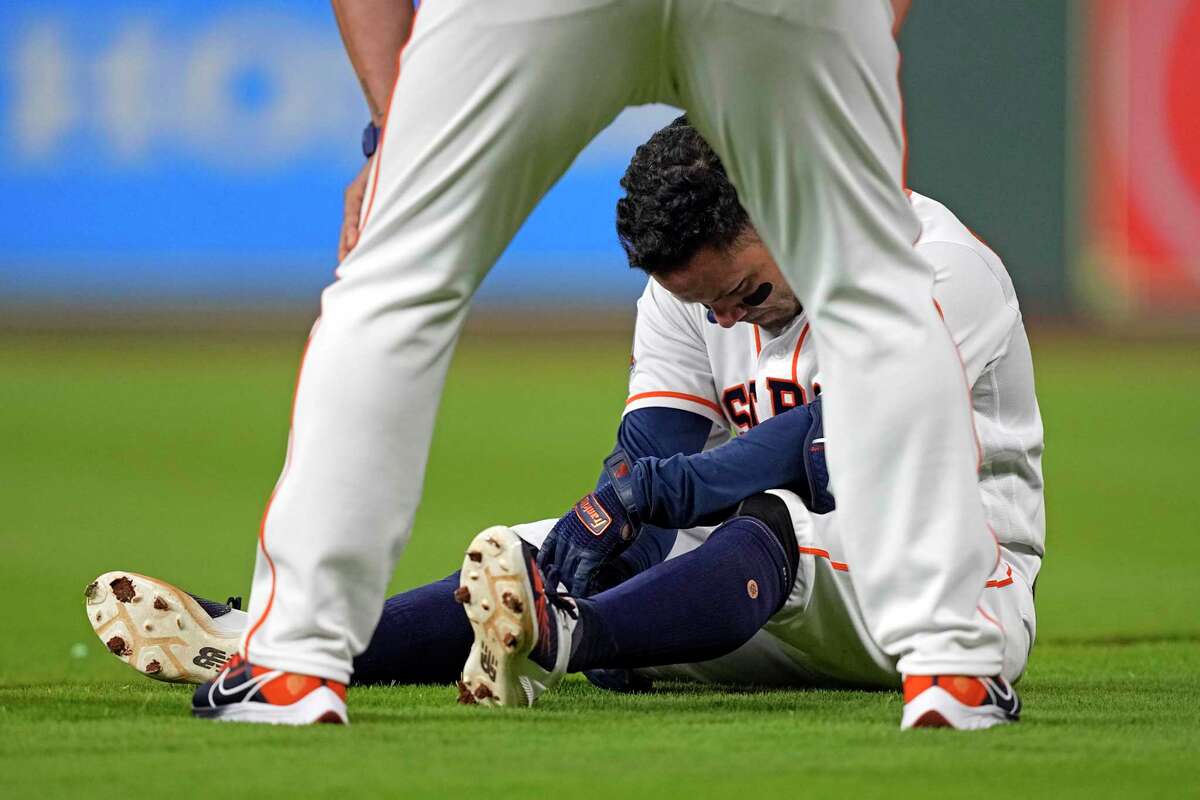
985,100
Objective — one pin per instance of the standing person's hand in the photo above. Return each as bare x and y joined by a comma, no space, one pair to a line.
352,211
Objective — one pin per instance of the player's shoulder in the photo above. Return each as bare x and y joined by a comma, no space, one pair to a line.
940,224
662,306
956,251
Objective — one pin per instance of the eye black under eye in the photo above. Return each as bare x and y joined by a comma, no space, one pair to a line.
759,295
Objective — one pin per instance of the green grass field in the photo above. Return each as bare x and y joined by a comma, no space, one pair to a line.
158,453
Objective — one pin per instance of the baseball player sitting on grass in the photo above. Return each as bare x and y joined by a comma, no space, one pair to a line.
635,583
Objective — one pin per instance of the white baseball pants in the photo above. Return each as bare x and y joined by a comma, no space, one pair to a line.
493,102
820,638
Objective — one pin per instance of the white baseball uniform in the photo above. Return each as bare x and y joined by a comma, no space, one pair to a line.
800,99
741,375
738,376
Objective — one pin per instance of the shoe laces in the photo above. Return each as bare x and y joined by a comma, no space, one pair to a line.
560,600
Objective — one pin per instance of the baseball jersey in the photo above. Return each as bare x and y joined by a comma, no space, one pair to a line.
739,376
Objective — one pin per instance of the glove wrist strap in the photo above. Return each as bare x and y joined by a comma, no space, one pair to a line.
618,467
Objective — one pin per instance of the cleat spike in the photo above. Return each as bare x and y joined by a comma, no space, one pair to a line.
160,604
147,626
179,622
482,692
475,556
464,695
473,575
153,668
90,591
510,641
512,603
116,645
462,595
123,589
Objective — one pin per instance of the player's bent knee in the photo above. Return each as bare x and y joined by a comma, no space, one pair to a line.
773,512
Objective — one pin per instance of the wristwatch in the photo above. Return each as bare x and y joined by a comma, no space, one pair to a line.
370,139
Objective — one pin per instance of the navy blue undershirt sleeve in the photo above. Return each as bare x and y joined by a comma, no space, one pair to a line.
658,433
662,432
683,490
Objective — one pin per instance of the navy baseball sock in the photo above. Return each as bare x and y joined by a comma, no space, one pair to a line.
699,606
422,637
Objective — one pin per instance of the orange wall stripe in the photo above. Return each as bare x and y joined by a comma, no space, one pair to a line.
678,396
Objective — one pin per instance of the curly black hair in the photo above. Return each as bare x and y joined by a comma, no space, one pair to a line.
677,201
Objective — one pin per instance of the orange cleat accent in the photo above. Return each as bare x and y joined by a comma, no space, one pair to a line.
964,702
245,692
963,688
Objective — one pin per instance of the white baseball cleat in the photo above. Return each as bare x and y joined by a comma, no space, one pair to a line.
160,630
958,701
522,630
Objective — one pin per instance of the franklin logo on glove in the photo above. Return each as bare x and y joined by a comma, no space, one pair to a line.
593,515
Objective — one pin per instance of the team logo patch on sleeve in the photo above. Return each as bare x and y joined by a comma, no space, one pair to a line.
592,515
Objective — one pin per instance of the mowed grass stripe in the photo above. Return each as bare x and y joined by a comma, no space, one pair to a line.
1101,721
157,455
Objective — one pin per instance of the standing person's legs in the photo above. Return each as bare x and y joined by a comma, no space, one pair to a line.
493,103
802,102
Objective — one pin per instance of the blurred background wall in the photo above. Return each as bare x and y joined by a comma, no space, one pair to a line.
192,155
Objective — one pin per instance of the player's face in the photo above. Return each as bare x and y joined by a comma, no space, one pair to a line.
740,284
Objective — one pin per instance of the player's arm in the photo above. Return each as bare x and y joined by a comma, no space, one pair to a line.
672,408
654,433
374,31
785,451
598,532
900,10
589,544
